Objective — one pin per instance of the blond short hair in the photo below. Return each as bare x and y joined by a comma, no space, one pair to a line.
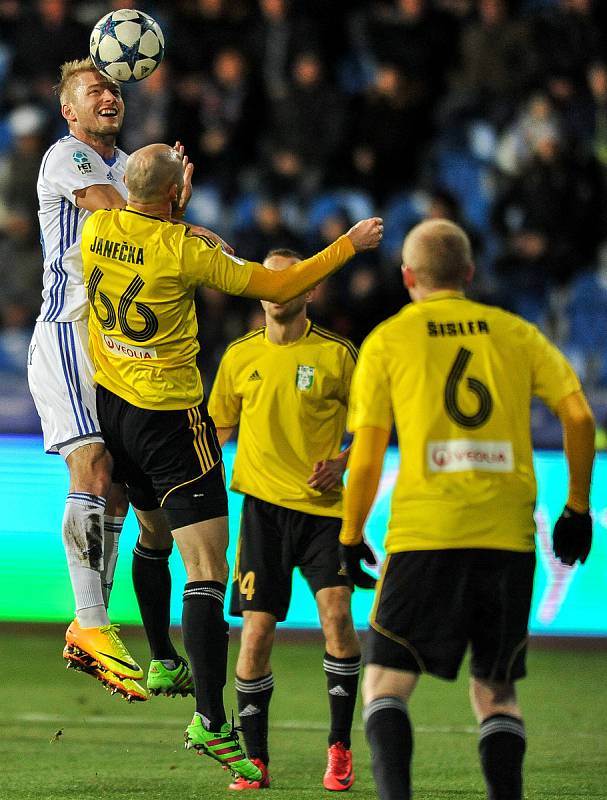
68,73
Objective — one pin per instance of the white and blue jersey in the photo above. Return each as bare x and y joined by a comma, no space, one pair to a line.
68,166
60,371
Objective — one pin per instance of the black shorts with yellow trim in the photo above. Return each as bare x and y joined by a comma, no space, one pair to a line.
272,542
170,459
431,604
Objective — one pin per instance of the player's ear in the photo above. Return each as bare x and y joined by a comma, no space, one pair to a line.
408,276
67,112
469,273
174,193
311,295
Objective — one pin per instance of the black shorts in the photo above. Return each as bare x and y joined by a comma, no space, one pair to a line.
170,459
272,542
431,604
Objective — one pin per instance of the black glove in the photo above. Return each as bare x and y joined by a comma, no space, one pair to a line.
350,556
572,536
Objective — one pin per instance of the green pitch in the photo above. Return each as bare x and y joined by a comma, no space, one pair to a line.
63,736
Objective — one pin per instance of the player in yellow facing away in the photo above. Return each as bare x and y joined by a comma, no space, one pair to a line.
286,386
457,378
141,271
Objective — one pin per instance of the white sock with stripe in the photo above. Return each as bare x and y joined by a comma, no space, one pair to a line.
82,534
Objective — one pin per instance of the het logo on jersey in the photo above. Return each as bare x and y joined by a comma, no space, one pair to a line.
82,162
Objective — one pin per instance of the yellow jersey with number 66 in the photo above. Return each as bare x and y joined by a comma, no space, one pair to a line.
141,273
457,378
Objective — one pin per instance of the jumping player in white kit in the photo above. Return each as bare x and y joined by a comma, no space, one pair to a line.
79,174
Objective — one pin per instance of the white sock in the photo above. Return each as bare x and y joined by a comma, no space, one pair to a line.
82,534
112,527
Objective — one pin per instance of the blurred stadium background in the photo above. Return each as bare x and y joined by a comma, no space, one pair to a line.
302,116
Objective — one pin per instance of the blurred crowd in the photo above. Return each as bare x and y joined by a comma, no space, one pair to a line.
302,116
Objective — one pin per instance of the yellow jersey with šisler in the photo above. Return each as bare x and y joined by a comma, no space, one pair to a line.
141,273
290,402
457,378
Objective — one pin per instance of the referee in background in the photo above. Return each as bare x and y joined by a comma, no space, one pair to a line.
457,379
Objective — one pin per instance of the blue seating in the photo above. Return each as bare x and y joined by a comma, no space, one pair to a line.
586,342
401,213
469,179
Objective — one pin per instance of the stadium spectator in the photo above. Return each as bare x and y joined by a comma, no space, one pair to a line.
19,239
200,30
172,461
289,466
597,83
266,230
517,145
228,120
415,35
566,38
549,218
15,335
44,39
149,107
277,36
496,66
387,132
460,540
295,137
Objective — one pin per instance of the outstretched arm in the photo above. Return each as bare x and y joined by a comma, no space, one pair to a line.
279,287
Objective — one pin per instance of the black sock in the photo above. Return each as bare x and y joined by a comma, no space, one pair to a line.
152,583
253,704
342,685
205,636
391,741
502,747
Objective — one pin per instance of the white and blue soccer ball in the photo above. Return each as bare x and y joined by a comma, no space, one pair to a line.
127,45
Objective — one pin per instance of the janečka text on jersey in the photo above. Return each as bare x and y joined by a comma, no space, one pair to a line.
469,327
120,251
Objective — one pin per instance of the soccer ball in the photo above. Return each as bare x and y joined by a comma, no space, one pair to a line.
127,45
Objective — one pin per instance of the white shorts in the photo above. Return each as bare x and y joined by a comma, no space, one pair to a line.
60,375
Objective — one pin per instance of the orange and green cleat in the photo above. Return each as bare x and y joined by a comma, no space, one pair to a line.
125,687
243,784
100,648
339,775
223,747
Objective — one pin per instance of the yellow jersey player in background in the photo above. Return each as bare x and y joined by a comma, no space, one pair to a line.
286,386
457,379
141,271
